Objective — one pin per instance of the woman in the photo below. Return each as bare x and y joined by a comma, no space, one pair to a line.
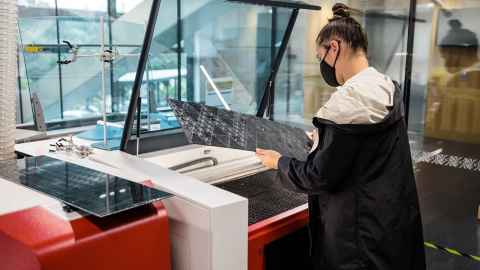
363,203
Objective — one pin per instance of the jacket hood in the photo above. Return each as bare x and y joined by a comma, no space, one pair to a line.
396,113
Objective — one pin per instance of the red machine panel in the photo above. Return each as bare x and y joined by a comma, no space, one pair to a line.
262,233
135,239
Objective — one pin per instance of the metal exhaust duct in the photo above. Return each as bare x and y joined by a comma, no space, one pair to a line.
8,77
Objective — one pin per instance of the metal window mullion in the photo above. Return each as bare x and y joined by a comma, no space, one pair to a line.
19,81
110,41
60,83
409,60
272,64
179,49
147,41
266,103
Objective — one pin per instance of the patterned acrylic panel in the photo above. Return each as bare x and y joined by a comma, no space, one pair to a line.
88,190
207,125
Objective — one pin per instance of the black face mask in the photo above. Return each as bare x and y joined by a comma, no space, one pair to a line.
328,72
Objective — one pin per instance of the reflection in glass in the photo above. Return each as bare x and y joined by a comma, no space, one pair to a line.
453,99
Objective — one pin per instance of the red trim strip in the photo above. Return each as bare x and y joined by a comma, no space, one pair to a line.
262,233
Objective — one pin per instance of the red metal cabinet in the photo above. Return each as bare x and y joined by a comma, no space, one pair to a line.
136,239
262,233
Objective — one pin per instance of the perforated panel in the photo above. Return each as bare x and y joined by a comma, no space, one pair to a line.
266,197
213,126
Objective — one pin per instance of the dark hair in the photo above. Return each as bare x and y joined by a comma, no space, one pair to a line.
344,27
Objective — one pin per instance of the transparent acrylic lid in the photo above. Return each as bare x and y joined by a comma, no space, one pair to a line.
85,189
222,57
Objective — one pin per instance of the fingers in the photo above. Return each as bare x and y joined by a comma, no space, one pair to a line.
261,152
310,134
262,155
263,160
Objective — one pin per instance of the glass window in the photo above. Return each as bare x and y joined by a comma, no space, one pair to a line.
290,92
38,30
43,79
224,57
41,65
36,8
24,107
124,70
453,100
444,124
79,21
35,29
82,8
126,6
161,78
444,103
231,44
83,30
299,88
72,91
81,86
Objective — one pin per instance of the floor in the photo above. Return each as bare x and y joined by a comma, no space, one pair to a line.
449,191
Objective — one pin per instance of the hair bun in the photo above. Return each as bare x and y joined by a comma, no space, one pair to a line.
340,11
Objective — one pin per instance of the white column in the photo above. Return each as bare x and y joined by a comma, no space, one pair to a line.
8,76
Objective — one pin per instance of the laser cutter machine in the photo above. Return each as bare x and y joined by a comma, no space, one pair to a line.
227,211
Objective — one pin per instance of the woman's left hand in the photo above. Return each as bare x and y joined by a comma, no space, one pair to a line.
269,158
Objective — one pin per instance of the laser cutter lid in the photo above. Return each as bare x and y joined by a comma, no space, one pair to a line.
280,3
219,41
88,190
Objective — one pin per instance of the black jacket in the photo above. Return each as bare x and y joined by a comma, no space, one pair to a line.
363,203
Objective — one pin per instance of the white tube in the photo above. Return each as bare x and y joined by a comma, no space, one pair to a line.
212,84
8,77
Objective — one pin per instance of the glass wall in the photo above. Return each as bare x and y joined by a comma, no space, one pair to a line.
444,104
215,52
196,43
452,101
444,125
233,45
300,89
71,93
220,53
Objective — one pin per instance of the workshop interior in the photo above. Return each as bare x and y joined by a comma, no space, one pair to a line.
128,128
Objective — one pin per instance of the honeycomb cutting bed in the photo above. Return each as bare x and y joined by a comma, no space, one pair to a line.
266,197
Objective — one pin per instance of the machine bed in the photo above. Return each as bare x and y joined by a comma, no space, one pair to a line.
266,197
